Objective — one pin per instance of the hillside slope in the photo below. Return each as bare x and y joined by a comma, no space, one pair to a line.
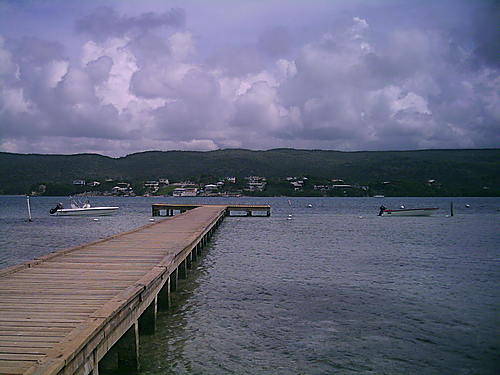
459,172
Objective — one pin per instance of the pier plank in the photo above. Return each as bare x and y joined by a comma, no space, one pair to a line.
13,367
20,350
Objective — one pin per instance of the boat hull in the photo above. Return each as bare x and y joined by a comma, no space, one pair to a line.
92,211
410,212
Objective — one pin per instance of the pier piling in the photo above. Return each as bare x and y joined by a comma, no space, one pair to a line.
128,351
164,296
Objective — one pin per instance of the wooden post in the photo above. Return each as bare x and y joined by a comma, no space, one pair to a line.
95,364
164,296
194,256
128,351
147,321
451,209
173,280
189,261
109,363
182,270
198,249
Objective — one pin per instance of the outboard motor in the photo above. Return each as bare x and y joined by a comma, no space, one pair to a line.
58,207
382,209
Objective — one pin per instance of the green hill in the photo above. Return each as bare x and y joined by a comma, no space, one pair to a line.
456,172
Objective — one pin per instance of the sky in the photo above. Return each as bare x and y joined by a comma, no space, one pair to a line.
118,77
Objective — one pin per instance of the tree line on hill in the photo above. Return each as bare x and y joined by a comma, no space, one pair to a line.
473,172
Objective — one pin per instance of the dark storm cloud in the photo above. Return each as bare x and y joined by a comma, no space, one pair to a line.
487,33
98,70
275,42
148,48
34,50
105,22
239,60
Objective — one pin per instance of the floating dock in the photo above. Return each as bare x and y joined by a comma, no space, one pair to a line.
163,209
64,312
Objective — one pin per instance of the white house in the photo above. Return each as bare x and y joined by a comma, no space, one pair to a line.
164,181
151,184
210,188
256,183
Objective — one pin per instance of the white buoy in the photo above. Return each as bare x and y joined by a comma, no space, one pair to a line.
29,207
151,219
95,219
402,207
289,218
309,205
467,205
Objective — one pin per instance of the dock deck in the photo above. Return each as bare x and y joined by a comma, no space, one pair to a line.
168,209
62,313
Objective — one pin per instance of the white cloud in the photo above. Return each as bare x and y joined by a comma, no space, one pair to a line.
13,101
182,45
404,102
56,70
7,66
114,90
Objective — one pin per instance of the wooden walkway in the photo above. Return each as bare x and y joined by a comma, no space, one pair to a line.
168,209
62,313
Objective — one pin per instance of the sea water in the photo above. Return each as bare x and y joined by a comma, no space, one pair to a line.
323,286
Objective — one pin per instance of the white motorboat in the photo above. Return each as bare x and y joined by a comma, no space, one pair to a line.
81,210
427,211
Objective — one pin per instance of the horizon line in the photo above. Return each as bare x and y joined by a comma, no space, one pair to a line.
250,150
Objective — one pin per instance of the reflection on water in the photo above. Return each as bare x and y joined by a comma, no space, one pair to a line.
334,290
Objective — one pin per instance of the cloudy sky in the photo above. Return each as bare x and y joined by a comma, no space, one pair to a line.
117,77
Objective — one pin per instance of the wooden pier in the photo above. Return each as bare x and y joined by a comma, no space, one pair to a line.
164,209
64,312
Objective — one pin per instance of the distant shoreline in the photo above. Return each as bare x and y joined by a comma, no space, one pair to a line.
277,172
250,196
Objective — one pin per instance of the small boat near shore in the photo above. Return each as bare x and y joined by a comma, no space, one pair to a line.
82,210
426,211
